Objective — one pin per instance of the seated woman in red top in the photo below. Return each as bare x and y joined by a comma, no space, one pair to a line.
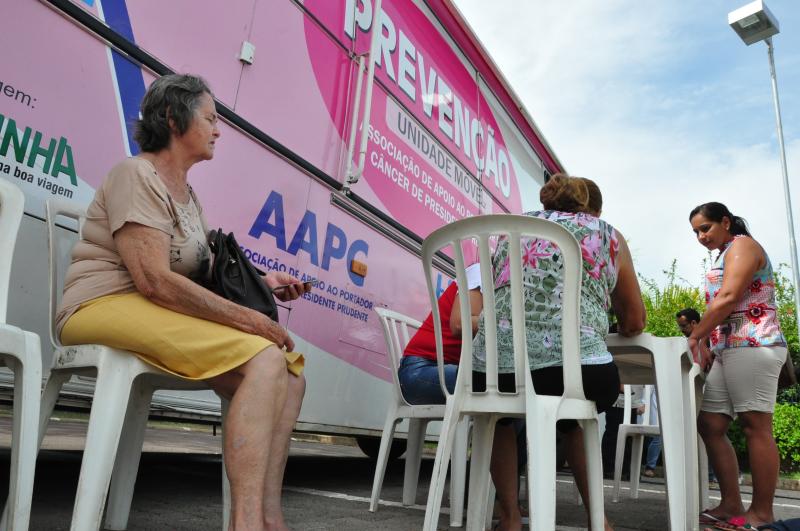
419,375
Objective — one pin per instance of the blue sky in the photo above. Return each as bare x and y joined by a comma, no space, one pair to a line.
663,105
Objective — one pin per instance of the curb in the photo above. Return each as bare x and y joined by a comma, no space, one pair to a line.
323,439
783,483
747,479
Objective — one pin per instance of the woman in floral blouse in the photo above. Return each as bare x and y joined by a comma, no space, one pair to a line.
609,280
747,352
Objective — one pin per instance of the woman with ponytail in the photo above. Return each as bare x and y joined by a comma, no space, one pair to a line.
743,364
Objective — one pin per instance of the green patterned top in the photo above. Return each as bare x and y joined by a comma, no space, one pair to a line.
542,280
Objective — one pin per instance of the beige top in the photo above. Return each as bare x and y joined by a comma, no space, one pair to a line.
132,192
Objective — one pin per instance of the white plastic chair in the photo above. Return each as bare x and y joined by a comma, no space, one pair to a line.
541,412
20,352
637,432
396,332
123,390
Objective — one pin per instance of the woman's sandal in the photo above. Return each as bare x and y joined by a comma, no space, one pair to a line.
706,518
737,523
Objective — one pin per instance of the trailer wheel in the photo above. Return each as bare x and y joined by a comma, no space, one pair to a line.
371,446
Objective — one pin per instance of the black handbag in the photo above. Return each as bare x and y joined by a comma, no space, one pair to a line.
234,277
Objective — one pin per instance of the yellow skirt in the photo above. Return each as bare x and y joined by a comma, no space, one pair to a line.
177,343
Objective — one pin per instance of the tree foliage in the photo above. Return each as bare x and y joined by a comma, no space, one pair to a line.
784,295
662,303
784,299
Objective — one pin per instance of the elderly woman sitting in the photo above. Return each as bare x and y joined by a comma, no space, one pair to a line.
132,285
608,279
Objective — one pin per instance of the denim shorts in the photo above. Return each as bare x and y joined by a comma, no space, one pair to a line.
419,380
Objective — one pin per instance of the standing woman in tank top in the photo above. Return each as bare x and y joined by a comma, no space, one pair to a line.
745,359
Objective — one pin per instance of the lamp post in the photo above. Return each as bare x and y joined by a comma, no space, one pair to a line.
753,23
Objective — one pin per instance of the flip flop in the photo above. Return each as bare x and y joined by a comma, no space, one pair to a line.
496,523
706,518
737,523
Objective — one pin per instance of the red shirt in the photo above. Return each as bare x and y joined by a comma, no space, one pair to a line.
423,343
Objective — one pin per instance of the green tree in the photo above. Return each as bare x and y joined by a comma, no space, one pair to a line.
784,299
662,303
784,295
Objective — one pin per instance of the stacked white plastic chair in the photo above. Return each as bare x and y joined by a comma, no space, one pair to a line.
541,412
396,332
637,432
20,352
123,390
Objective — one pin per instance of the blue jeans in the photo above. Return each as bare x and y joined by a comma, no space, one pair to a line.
419,380
653,451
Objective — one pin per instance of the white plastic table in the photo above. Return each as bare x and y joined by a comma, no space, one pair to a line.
667,363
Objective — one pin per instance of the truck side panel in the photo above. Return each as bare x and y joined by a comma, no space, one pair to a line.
440,147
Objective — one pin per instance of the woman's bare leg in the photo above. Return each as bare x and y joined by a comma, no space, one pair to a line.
255,410
713,428
279,451
576,457
506,476
764,464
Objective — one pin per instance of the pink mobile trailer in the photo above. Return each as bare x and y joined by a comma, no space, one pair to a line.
306,186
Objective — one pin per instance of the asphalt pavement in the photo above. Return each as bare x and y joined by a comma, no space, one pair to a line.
327,487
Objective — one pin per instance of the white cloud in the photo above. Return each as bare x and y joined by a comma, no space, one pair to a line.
662,111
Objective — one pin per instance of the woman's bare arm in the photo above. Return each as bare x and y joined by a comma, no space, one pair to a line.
475,304
145,253
626,298
742,260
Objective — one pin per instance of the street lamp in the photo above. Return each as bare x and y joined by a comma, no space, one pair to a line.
754,23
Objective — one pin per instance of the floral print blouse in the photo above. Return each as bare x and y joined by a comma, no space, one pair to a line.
542,281
754,321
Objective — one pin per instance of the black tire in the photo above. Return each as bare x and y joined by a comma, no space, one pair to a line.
372,445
